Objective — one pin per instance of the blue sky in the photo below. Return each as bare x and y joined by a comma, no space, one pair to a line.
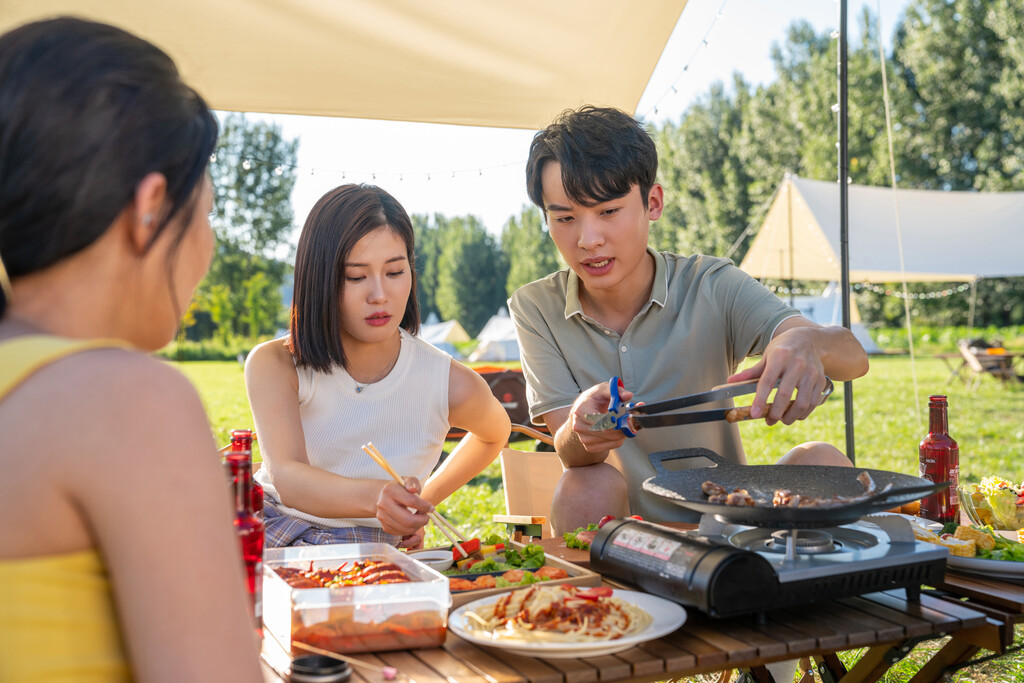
460,170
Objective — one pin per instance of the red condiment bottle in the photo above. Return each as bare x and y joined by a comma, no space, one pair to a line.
249,528
241,442
940,462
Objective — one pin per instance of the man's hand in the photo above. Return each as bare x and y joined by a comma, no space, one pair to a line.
794,360
400,510
592,401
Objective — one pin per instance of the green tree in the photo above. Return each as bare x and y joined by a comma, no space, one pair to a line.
262,304
428,251
962,60
528,249
253,174
706,200
471,274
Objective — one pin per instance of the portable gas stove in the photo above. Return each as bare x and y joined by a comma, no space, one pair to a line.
728,569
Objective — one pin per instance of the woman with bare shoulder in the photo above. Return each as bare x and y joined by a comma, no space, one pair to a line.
104,235
352,372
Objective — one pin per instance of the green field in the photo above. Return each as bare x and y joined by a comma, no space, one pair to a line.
987,423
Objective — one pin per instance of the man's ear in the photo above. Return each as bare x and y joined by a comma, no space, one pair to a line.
147,210
655,202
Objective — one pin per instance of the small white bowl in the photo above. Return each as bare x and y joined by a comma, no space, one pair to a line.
435,558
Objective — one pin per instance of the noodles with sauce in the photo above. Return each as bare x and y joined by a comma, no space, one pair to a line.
558,614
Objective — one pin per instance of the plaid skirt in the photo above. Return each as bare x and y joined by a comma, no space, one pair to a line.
281,529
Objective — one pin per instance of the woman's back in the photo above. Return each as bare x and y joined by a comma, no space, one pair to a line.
63,598
98,446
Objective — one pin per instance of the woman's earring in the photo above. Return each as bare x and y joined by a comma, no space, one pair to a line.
147,220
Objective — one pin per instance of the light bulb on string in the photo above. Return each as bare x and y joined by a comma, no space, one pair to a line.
246,164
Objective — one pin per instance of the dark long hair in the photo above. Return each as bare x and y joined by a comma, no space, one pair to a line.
603,152
335,224
86,112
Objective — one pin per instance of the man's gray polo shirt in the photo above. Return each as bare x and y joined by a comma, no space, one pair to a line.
703,318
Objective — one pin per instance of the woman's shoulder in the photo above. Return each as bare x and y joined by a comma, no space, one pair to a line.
270,354
109,401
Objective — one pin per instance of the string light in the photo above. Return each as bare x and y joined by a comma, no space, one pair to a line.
278,169
704,43
939,294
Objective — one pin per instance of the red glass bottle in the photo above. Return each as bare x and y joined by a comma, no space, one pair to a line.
249,528
241,442
940,462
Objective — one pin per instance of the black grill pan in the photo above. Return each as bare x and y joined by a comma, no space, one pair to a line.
683,487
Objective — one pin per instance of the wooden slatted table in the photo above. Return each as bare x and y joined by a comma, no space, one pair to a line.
886,623
1002,601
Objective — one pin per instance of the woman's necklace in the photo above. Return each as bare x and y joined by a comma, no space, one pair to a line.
360,387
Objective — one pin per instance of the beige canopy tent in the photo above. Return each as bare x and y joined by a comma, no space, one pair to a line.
504,64
946,236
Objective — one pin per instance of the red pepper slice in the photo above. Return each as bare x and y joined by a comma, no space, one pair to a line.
471,546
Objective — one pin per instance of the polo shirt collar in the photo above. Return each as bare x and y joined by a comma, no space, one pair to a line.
659,292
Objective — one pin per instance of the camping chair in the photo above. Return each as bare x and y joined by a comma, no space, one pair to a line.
529,479
975,367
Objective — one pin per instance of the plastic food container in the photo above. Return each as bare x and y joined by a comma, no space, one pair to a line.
347,619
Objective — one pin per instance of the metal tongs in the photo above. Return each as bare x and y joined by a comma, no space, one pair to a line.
629,417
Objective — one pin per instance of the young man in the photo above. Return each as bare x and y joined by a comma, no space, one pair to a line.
668,325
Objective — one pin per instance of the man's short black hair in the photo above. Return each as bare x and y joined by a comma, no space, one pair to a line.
603,152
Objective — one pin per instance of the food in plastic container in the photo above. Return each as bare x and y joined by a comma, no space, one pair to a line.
994,502
353,618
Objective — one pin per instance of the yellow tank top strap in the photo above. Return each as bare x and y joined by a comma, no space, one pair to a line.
22,356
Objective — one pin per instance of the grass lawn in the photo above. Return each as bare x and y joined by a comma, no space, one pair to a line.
988,424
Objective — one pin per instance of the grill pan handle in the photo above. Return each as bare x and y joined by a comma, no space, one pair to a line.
919,491
678,454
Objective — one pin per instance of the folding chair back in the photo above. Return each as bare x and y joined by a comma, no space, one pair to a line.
530,478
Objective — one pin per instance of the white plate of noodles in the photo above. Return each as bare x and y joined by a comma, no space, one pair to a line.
598,627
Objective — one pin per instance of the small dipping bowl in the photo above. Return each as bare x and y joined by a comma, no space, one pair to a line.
437,559
318,669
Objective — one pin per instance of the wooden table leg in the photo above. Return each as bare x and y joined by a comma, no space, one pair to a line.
872,666
956,651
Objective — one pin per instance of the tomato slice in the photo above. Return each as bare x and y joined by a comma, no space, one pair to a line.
636,517
594,593
605,520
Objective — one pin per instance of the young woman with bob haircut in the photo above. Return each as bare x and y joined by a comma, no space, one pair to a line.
353,372
118,561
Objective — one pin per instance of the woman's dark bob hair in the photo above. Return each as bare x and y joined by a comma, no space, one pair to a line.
335,224
86,112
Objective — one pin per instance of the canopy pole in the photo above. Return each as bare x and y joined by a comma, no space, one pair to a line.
970,314
844,216
789,221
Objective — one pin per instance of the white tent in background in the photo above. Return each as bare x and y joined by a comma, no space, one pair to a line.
827,309
946,236
443,335
497,340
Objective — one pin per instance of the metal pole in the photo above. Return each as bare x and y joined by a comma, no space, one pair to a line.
844,217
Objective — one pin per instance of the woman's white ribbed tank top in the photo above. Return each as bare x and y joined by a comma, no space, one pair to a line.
405,415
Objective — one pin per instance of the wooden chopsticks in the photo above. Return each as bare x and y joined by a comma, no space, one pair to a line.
389,673
443,524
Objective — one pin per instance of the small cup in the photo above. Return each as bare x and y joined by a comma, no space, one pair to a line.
318,669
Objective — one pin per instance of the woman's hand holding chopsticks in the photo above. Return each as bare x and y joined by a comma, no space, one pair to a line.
400,509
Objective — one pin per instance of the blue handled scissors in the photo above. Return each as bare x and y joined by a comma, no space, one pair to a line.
626,416
618,413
